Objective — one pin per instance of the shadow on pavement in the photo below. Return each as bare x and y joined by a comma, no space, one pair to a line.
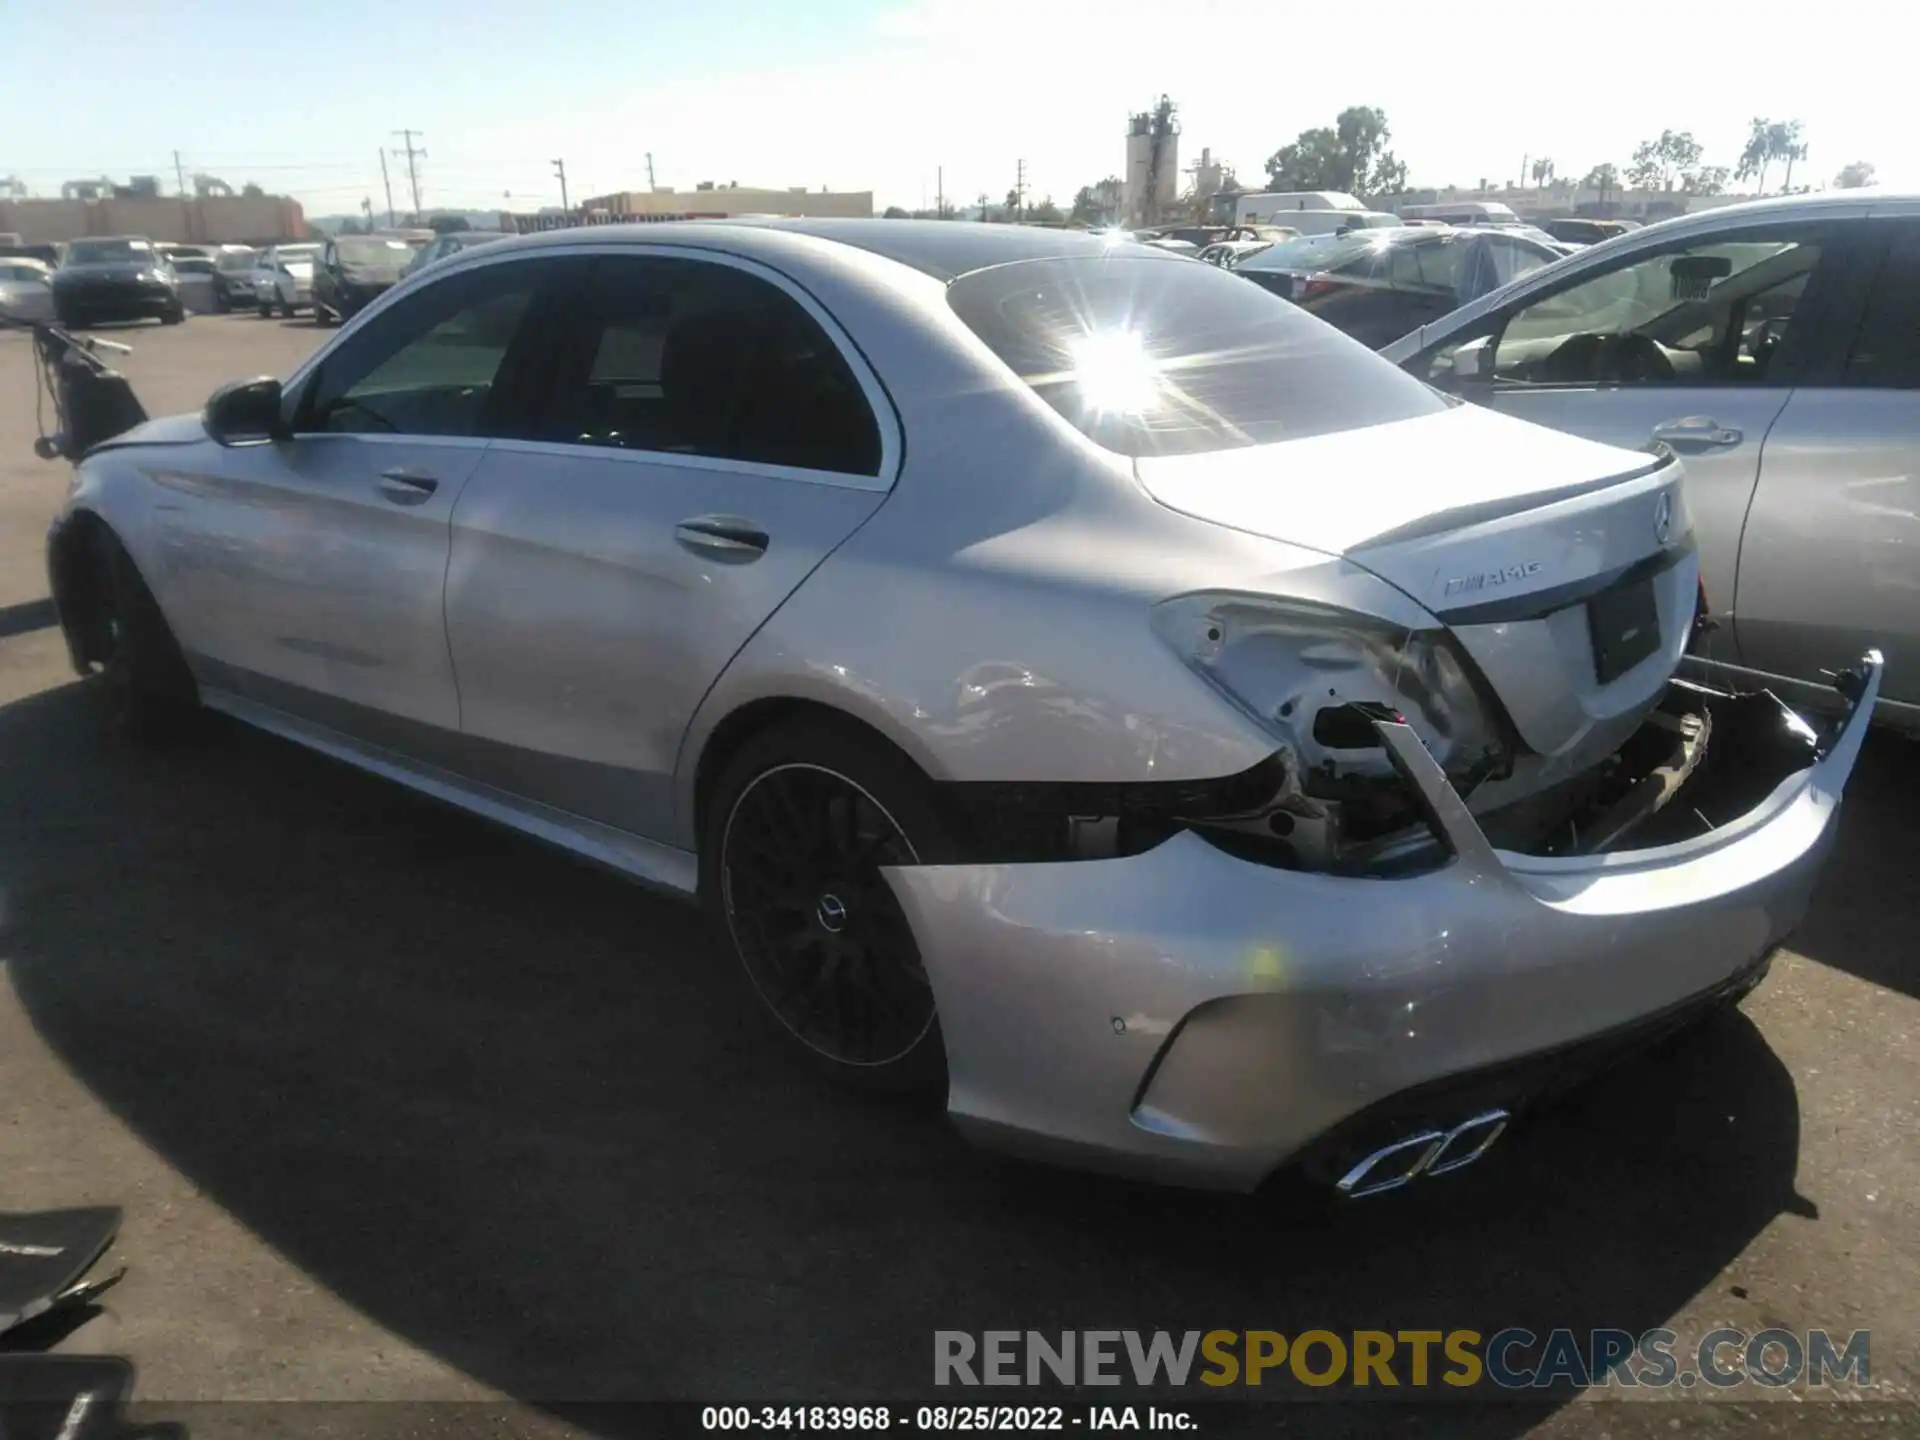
521,1113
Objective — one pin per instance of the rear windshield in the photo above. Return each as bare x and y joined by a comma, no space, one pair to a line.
375,251
1310,252
1163,357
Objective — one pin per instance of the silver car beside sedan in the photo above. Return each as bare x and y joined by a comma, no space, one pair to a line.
1082,685
1776,345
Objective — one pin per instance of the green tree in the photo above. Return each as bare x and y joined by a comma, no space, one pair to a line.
1605,178
251,190
1086,207
1351,155
1013,203
1708,180
1768,141
893,212
1046,211
1658,163
1852,177
1542,172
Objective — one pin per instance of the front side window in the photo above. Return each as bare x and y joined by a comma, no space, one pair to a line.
1712,312
428,365
696,358
1155,357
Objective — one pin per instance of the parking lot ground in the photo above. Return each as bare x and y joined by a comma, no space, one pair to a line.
405,1108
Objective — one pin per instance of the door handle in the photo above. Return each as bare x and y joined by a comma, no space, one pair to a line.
1696,432
725,537
407,487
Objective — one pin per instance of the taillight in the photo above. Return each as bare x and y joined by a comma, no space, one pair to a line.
1305,288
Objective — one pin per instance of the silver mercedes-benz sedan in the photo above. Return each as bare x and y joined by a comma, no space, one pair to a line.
1081,683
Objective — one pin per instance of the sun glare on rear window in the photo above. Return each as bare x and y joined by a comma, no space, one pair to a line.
1168,357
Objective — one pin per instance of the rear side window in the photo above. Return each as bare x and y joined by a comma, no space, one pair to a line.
1162,357
689,357
1886,351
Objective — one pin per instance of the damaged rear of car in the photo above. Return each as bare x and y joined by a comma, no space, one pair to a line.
1481,839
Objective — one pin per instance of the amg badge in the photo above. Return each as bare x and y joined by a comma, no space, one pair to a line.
1490,579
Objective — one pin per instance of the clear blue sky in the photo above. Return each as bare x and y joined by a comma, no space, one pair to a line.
877,94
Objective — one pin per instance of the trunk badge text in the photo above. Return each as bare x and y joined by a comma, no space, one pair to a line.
1488,579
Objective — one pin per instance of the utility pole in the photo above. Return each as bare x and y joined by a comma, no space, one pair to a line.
1020,193
413,174
940,197
179,175
387,181
649,172
560,169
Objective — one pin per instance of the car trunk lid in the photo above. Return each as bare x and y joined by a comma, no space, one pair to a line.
1565,568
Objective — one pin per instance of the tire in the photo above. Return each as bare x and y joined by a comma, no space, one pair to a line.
174,316
263,309
150,691
798,826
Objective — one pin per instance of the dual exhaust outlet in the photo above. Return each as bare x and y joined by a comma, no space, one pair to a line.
1429,1152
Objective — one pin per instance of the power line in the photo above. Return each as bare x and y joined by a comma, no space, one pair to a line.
413,174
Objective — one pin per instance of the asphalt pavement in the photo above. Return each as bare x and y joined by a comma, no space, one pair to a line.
402,1107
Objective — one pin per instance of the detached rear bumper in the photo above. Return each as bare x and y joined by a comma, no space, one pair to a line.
1193,1017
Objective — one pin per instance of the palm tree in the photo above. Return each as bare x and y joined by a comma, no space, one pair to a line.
1542,172
1758,153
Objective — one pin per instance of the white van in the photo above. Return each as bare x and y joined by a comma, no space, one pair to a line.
1253,209
1464,212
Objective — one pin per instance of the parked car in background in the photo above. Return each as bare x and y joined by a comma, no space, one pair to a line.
1775,345
542,539
452,243
26,290
1377,285
48,255
352,271
193,277
116,277
283,279
233,277
1581,231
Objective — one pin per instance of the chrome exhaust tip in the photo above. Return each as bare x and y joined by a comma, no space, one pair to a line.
1467,1142
1430,1152
1392,1166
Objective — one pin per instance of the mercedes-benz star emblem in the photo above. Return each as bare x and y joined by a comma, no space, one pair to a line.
1663,518
831,912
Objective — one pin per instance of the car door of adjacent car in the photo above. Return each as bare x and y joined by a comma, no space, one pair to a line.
311,571
709,438
1828,564
1695,345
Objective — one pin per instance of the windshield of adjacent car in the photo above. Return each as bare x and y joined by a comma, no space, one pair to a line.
108,252
1153,357
233,260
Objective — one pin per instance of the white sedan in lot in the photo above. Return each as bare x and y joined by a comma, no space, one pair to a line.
1082,684
283,279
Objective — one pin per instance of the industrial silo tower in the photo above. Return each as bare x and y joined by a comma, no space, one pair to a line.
1151,183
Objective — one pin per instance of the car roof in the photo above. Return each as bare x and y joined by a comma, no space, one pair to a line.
943,249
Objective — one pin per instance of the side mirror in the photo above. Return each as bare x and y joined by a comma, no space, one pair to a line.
245,411
1474,359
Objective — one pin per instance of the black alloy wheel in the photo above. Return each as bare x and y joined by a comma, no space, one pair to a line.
816,926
